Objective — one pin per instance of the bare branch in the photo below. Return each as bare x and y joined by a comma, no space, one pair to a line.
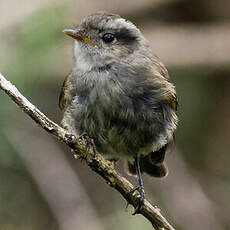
98,164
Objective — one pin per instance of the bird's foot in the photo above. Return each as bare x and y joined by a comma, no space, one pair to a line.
141,190
71,139
89,142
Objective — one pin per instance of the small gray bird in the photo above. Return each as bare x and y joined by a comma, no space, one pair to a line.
120,94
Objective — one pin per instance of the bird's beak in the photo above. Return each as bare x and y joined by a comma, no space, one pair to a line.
77,34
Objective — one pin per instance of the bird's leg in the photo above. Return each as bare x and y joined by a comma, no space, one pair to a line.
140,187
89,142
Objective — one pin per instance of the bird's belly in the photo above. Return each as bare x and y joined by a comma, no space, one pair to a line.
119,131
119,138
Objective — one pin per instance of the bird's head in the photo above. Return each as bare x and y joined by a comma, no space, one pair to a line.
103,37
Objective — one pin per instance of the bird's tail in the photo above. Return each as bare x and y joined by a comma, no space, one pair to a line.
151,164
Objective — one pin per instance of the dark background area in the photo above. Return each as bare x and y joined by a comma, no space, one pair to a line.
43,187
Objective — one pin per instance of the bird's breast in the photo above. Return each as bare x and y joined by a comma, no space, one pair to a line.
122,117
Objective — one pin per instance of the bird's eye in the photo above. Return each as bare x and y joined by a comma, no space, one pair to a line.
108,38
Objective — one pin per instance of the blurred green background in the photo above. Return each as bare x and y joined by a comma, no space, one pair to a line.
43,187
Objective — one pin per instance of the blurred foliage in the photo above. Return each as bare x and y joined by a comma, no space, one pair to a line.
194,89
30,55
30,61
32,46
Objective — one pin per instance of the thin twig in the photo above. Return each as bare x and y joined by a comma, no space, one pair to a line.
98,164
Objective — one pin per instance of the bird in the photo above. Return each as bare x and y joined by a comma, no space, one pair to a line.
120,95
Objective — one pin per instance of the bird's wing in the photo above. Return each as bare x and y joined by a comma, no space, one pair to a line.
163,73
173,102
160,67
66,94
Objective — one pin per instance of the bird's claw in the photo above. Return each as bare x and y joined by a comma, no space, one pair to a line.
70,138
89,142
140,189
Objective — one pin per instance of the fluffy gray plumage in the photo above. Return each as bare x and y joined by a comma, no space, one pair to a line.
119,93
